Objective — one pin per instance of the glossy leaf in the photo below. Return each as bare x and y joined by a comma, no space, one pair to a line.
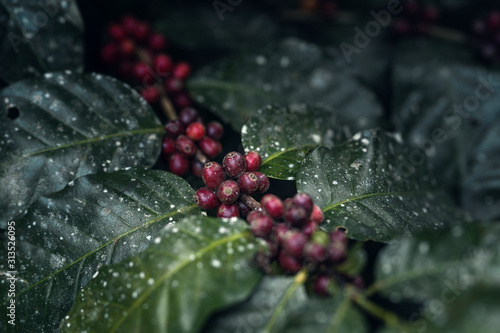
456,123
283,135
368,187
197,266
285,72
96,220
280,304
39,37
66,126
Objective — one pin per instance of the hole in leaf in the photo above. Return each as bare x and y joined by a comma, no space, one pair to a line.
13,112
343,229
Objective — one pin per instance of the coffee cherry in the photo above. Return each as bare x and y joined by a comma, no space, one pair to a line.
213,175
206,198
195,131
109,53
254,214
234,164
295,216
163,65
182,100
338,237
304,201
248,182
294,244
263,182
157,42
494,21
315,253
174,128
116,32
323,285
228,211
253,161
178,164
317,214
402,26
127,47
185,146
215,130
336,252
188,116
196,168
142,72
261,226
228,192
129,24
173,85
272,205
141,31
209,147
273,249
358,282
168,146
279,233
288,263
309,228
150,94
182,70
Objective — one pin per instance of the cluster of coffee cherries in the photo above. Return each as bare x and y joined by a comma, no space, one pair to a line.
138,55
188,143
325,8
416,18
487,37
295,241
229,186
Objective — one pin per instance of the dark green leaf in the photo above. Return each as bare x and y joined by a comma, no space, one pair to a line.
68,126
198,266
280,304
284,72
96,220
284,134
242,26
368,187
443,263
456,123
39,37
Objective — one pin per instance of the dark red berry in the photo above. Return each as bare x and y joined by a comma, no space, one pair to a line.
261,226
234,164
323,285
206,198
294,244
254,214
288,263
174,128
168,146
494,20
336,252
142,72
209,147
185,146
228,211
182,100
272,205
317,214
178,164
288,203
338,237
157,42
253,161
150,94
295,216
188,116
129,23
402,26
309,228
305,201
196,131
110,54
315,253
163,65
273,249
215,130
248,182
173,85
141,31
244,209
116,32
358,282
182,70
412,8
196,168
228,192
213,175
127,47
263,182
430,14
279,233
